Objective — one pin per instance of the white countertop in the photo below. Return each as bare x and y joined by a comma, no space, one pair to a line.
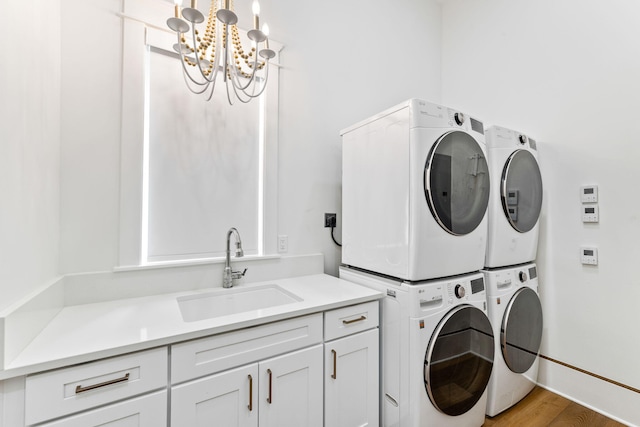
81,333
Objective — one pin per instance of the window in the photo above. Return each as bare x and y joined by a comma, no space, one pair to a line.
191,169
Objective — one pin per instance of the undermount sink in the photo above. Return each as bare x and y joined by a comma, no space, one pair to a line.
226,302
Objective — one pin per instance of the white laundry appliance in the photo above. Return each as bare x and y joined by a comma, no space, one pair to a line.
437,349
415,188
516,198
516,316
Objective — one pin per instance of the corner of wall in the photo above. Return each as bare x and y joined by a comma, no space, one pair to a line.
22,323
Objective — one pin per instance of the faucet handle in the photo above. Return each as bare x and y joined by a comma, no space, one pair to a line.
238,274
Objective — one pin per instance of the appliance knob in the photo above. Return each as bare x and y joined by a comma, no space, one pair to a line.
522,139
459,117
522,276
460,291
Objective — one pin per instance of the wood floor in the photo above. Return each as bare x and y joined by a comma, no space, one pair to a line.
543,408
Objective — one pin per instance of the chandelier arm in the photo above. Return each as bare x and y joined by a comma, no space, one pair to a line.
238,95
197,88
262,86
236,81
187,75
210,95
228,93
190,82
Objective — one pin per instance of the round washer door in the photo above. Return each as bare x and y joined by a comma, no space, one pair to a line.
521,331
521,190
458,360
456,182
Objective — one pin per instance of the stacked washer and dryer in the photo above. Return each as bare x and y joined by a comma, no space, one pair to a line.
510,271
415,200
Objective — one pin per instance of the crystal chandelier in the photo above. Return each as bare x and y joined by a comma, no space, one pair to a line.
218,49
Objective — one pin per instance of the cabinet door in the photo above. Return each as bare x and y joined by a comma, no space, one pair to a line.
146,411
351,380
228,399
291,389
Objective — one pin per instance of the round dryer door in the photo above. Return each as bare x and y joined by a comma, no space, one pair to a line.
458,360
521,331
521,190
456,182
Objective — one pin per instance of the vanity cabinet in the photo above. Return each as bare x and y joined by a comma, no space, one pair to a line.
278,392
270,375
63,392
351,371
315,370
291,389
145,411
226,399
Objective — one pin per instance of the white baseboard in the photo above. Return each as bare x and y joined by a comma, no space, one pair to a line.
611,400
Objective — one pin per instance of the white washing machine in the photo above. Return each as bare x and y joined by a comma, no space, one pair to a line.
415,191
516,316
516,198
437,349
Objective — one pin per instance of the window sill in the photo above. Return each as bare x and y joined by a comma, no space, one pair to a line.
191,262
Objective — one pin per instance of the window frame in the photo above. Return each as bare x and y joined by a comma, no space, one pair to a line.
144,26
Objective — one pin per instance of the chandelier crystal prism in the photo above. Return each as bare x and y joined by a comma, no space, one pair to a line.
218,49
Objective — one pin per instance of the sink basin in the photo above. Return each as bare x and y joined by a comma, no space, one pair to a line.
233,301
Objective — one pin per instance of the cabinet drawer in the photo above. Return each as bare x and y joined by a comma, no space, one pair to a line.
194,359
349,320
146,411
65,391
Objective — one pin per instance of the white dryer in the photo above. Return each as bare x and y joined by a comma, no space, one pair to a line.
516,317
437,349
516,198
415,191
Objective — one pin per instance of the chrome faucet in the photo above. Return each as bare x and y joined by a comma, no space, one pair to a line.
229,275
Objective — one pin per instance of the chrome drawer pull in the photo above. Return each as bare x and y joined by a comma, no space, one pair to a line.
80,389
359,319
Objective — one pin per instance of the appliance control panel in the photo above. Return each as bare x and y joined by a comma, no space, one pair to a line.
589,194
589,255
590,213
458,291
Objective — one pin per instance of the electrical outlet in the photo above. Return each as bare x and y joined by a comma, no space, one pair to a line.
283,243
329,220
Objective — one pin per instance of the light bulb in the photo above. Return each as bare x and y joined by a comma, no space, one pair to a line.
177,4
256,11
265,29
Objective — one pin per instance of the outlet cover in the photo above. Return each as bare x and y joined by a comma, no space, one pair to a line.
329,220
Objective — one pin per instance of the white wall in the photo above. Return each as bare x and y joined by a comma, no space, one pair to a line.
29,147
90,126
340,64
566,73
343,61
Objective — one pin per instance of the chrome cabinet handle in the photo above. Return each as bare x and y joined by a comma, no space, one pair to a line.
359,319
250,394
269,397
335,371
80,389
